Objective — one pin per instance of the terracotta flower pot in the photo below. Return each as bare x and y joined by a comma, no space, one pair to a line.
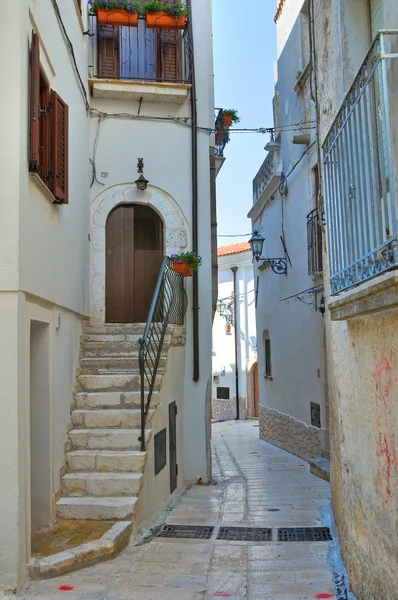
117,17
227,120
183,268
162,20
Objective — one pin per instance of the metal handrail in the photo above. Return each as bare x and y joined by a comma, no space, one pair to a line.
168,307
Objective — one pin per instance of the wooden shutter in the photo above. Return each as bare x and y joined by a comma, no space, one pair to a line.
34,150
108,52
170,54
59,148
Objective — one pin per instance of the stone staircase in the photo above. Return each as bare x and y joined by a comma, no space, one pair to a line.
104,464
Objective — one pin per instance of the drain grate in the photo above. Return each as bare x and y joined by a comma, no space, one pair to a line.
245,534
193,532
304,534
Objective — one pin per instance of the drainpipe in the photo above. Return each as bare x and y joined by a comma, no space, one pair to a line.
234,271
194,154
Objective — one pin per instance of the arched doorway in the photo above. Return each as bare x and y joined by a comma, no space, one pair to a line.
134,253
256,395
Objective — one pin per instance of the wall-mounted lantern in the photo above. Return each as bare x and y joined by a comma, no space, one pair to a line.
278,265
225,311
141,182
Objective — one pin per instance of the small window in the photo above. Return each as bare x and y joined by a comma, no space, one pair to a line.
223,393
267,355
49,130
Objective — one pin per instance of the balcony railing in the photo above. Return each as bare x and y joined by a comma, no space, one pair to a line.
314,243
359,169
140,53
222,136
264,175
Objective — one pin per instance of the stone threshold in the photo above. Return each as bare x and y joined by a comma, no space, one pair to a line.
85,555
320,467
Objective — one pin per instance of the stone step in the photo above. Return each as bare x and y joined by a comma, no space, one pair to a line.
106,439
122,382
131,461
117,418
320,467
93,349
108,338
97,509
115,364
101,484
119,328
115,328
105,400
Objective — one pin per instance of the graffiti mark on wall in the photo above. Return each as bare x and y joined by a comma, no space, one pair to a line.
386,450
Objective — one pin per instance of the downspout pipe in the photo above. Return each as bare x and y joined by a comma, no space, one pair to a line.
234,271
194,156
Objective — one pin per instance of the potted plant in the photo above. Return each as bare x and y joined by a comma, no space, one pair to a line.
229,116
115,12
186,263
161,14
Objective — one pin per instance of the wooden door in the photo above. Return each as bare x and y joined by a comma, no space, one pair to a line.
134,253
255,390
173,446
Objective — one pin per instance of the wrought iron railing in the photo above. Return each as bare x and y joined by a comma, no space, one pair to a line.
168,307
314,243
359,172
140,53
264,175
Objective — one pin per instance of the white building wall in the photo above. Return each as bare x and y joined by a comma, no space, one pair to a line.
165,147
44,264
224,366
295,328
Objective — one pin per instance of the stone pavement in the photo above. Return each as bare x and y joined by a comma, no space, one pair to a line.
259,485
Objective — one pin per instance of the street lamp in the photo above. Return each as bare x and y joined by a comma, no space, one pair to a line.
224,310
221,306
278,265
272,145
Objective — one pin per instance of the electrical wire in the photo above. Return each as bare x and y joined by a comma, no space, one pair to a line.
235,235
95,147
72,54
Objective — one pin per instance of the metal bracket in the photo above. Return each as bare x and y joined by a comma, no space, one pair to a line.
278,265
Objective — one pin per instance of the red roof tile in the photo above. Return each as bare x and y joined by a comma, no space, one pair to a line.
233,249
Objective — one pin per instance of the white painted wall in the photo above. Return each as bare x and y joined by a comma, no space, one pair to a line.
296,329
44,263
224,344
166,149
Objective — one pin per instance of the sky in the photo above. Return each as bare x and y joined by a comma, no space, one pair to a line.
244,58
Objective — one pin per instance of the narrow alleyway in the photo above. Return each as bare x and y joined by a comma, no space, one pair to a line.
258,485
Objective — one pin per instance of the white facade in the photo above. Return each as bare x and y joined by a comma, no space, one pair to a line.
225,374
47,250
285,192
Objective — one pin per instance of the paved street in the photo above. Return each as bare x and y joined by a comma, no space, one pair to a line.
258,485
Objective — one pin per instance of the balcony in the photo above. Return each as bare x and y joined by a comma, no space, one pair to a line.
138,63
360,158
267,171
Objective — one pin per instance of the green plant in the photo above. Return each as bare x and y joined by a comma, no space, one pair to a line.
131,7
233,114
298,74
175,10
193,259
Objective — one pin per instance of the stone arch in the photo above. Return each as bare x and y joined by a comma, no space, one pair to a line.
176,232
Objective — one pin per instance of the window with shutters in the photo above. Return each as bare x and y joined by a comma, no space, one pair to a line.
49,130
140,53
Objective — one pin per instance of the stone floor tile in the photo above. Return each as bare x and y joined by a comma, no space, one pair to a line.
253,476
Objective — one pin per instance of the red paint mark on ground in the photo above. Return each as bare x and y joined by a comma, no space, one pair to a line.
65,588
225,594
324,596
